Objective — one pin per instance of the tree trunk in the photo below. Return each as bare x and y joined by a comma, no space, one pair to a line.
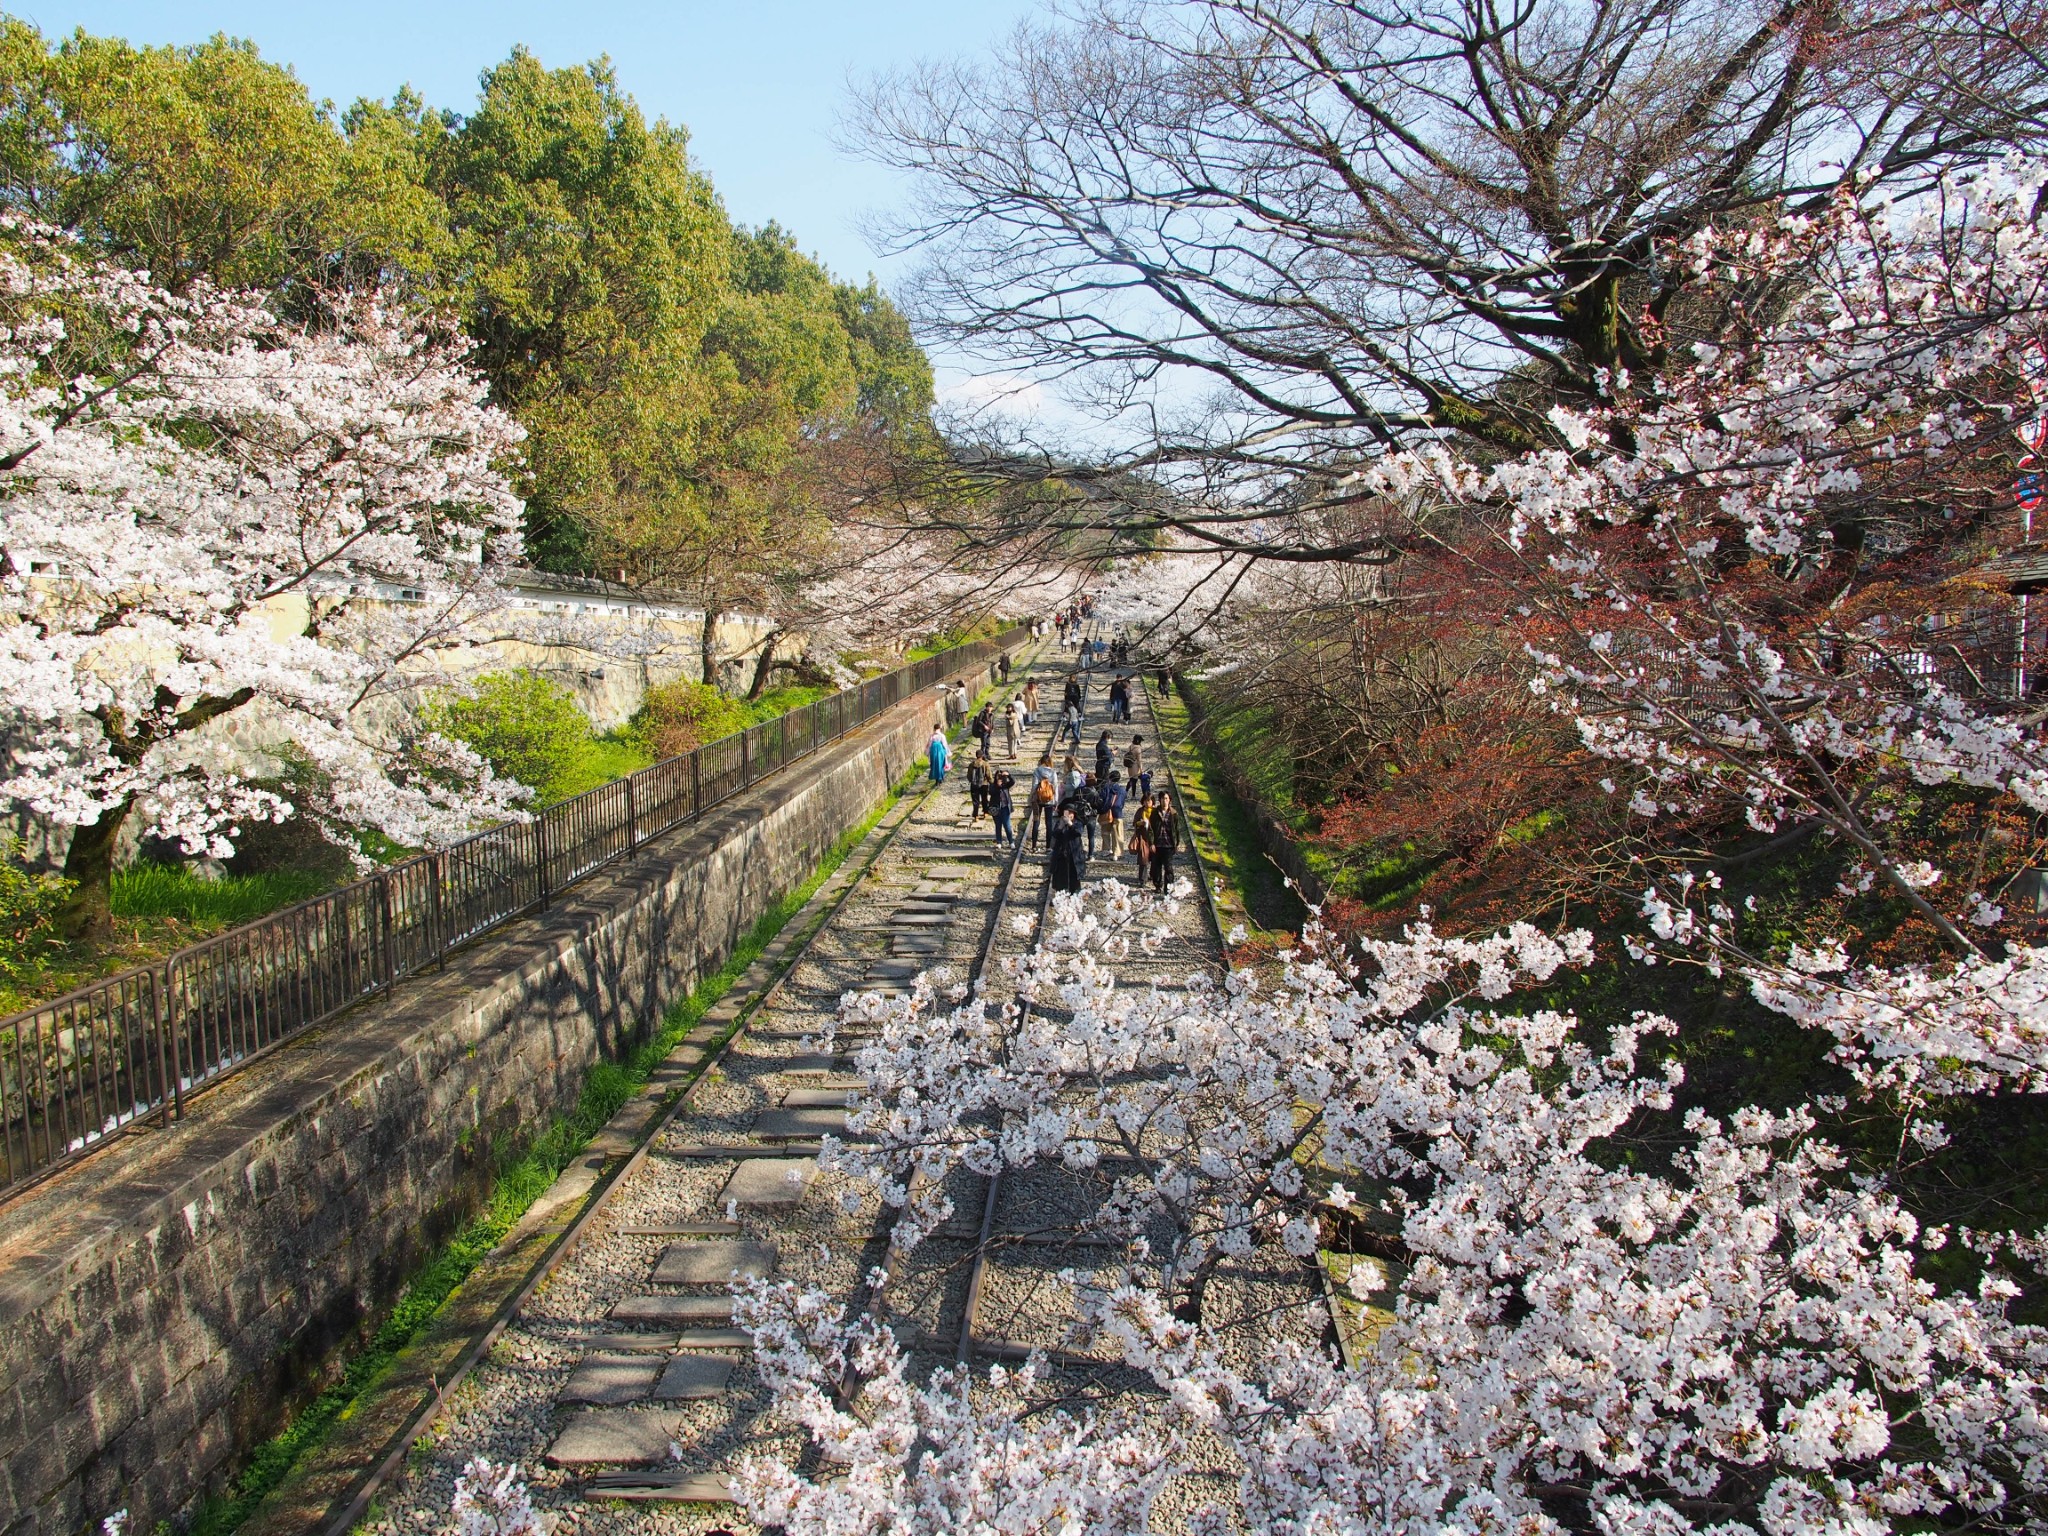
707,647
764,666
87,915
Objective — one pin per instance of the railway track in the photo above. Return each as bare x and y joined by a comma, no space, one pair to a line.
621,1385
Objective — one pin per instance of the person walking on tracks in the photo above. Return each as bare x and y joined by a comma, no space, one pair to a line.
1105,758
1087,804
1001,800
1166,837
980,772
938,754
1135,772
1044,791
1120,701
1112,791
1070,725
1142,833
1071,696
1030,699
1014,722
1065,842
985,726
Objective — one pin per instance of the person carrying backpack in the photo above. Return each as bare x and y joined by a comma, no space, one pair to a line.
1044,791
1087,804
1112,792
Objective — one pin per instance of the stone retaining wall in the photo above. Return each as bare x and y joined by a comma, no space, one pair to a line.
165,1303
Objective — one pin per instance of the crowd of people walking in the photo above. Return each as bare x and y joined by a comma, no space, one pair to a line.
1107,809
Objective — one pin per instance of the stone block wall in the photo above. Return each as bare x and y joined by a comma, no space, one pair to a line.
165,1303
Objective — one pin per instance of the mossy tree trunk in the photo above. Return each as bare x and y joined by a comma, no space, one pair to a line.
87,914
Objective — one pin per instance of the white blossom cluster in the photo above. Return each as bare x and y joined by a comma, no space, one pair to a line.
937,1458
1734,1336
492,1501
199,506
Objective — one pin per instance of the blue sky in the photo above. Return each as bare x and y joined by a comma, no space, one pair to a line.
760,84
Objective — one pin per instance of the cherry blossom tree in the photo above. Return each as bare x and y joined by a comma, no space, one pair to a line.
1761,591
212,517
875,590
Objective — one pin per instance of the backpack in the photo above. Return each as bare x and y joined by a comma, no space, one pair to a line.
1043,793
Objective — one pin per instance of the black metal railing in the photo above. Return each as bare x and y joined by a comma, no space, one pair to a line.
75,1070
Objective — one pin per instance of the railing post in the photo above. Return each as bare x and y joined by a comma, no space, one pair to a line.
436,873
540,857
632,816
166,1045
384,919
696,783
746,776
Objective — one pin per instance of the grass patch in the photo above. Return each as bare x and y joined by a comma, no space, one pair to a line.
948,639
173,891
158,909
776,702
1234,848
1249,737
520,1181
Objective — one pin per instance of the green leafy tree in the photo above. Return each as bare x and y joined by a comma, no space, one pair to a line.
208,162
895,377
590,262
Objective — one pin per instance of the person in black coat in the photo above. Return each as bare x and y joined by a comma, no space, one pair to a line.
1087,802
1166,824
1065,843
1105,755
1001,803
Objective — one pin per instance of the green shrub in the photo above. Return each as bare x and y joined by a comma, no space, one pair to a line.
776,702
530,729
681,716
28,910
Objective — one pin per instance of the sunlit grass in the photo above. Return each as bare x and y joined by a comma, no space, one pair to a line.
172,891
